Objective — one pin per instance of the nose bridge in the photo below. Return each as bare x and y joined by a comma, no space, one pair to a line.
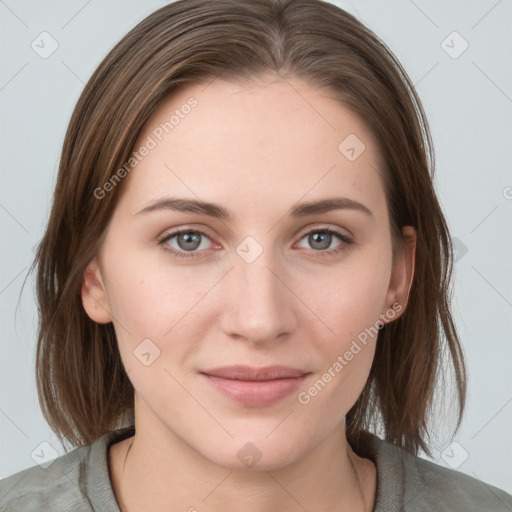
259,305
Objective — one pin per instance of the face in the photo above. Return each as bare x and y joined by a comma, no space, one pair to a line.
270,282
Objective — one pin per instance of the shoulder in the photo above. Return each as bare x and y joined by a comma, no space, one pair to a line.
56,487
77,481
428,485
413,484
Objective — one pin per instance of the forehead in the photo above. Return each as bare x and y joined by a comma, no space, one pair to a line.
261,143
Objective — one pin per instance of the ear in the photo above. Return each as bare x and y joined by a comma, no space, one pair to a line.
94,295
401,277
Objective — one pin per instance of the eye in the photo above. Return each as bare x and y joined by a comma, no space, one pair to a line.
187,240
187,243
321,239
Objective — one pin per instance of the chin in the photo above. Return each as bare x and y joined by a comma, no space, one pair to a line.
255,452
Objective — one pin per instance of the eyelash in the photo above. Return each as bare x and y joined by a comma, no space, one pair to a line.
345,246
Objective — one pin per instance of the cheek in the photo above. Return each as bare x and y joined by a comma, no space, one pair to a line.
351,309
351,299
148,297
158,311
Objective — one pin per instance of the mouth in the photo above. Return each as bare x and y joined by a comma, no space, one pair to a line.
255,387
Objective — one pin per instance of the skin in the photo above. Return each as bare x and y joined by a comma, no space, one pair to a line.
256,149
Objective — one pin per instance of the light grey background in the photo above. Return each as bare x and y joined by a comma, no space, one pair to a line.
468,103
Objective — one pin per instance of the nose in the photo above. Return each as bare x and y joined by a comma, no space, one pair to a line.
258,304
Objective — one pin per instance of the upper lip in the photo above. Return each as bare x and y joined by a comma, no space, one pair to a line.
241,372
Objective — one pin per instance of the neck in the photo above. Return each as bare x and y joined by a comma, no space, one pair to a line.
155,468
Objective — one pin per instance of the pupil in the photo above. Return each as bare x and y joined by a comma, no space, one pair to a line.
324,244
189,238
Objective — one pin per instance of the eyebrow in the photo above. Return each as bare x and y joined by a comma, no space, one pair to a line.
219,212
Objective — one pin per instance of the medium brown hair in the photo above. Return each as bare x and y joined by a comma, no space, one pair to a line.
83,389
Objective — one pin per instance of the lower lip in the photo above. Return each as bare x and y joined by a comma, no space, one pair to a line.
256,393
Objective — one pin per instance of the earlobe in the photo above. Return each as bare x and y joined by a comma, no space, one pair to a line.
94,295
402,273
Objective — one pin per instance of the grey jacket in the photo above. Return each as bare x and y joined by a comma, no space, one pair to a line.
79,482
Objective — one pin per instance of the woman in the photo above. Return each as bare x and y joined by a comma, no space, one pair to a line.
245,270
